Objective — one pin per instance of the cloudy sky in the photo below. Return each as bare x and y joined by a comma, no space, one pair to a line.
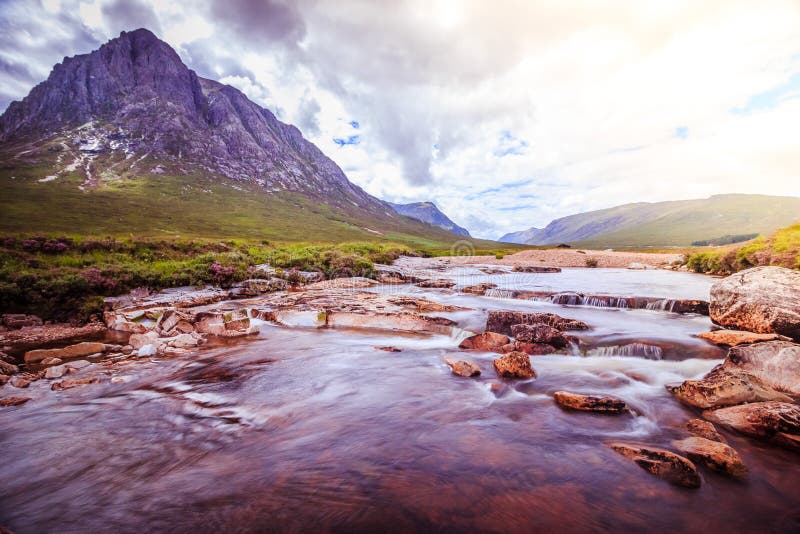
507,114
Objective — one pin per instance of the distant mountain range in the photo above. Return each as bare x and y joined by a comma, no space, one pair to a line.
128,139
666,224
429,213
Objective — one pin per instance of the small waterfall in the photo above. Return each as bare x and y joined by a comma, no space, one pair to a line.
594,301
661,305
500,293
639,350
567,299
459,334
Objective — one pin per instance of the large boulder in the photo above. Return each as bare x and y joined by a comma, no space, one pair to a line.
487,341
539,333
763,300
704,429
725,386
778,422
776,363
501,321
660,462
716,456
590,403
514,365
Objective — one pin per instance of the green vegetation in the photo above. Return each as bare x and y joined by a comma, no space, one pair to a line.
724,240
782,249
591,263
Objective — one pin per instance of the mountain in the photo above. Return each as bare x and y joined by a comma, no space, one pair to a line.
429,213
523,236
666,224
128,139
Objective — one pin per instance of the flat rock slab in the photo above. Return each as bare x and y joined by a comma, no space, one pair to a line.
662,463
778,422
13,401
776,363
501,321
539,333
716,456
514,365
72,351
487,341
590,403
733,338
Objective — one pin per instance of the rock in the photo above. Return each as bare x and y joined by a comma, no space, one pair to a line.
776,363
478,289
57,371
660,462
7,368
501,321
732,338
439,283
20,382
717,456
422,305
352,282
4,379
6,358
590,403
169,320
389,349
13,401
704,429
184,340
463,368
535,269
700,307
15,321
69,383
487,341
147,350
138,341
78,365
408,322
539,333
778,422
72,351
532,349
514,365
725,387
51,361
259,286
127,349
763,299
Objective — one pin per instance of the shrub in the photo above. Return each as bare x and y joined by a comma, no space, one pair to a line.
591,262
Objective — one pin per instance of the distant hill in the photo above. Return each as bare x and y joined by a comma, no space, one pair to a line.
429,213
666,224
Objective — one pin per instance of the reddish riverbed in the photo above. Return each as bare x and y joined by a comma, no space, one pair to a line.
316,430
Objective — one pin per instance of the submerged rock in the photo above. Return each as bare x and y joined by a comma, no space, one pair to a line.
389,349
487,341
463,367
533,349
13,401
438,283
478,289
778,422
514,365
704,429
72,351
7,368
717,456
763,300
590,403
501,321
725,386
535,269
57,371
539,333
662,463
732,338
69,383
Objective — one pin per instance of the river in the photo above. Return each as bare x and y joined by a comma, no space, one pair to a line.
298,430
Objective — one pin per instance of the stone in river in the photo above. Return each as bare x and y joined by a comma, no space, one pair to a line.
13,401
763,300
732,338
501,321
56,371
69,383
776,363
717,456
487,341
724,386
590,403
539,333
704,429
463,367
778,422
514,365
73,351
662,463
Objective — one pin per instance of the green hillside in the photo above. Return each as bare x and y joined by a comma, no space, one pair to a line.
782,249
672,224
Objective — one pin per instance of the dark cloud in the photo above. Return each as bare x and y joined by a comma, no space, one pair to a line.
307,116
131,14
261,22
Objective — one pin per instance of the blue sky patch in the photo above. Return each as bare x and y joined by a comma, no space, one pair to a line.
509,145
682,132
350,140
355,124
771,98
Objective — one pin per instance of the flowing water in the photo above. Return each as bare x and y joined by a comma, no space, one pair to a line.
301,430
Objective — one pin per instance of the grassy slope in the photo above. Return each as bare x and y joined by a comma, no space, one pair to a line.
161,206
782,249
678,224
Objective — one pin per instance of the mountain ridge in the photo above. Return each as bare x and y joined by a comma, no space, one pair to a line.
667,223
428,212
